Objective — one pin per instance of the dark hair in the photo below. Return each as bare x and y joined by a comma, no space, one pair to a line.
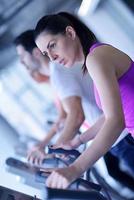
57,23
26,39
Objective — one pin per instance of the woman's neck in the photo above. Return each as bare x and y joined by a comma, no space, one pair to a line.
80,53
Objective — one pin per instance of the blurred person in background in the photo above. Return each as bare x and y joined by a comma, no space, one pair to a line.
75,102
70,87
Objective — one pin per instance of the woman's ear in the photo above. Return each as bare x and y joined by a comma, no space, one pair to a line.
70,32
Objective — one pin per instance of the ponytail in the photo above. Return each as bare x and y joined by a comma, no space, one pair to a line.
86,36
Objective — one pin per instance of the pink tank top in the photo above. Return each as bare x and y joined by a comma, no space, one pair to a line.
126,86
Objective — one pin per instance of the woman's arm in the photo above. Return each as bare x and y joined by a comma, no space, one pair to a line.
103,73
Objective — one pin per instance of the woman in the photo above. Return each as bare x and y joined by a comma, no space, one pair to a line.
66,40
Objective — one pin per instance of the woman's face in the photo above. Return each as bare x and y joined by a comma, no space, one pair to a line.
61,48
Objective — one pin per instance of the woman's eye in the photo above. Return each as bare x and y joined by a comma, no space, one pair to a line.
52,45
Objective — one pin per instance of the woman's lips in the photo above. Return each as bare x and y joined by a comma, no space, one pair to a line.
62,62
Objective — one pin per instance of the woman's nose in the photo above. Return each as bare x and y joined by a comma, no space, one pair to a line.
52,56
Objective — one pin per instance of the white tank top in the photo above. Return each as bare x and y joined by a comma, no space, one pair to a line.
69,82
